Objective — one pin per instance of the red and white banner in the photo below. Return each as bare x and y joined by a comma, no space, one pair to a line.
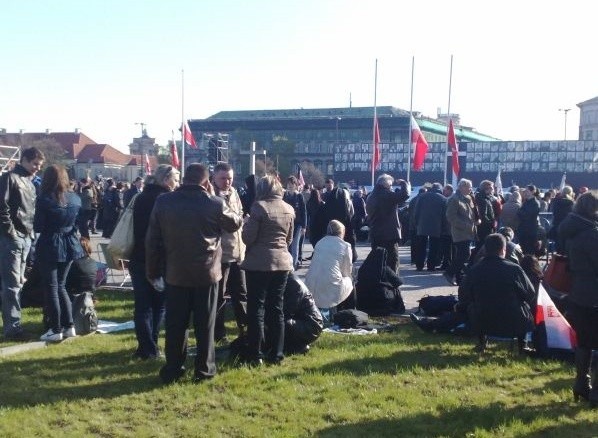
421,145
452,142
188,136
174,156
559,333
376,158
148,167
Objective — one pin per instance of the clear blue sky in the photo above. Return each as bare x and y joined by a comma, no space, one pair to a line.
102,66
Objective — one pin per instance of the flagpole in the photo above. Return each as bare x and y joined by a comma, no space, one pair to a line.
375,117
182,123
449,116
410,127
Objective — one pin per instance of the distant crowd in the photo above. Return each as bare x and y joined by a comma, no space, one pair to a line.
203,243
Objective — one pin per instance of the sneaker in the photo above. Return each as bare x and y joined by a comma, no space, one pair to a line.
69,332
50,336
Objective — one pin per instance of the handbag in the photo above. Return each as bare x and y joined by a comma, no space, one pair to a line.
557,274
123,238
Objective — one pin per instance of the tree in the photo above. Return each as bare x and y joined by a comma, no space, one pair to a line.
53,152
312,175
281,152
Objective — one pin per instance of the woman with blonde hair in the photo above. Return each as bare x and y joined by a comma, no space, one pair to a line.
267,232
149,307
57,246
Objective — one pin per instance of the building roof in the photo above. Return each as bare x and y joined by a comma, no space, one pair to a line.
462,133
103,153
71,142
593,100
310,113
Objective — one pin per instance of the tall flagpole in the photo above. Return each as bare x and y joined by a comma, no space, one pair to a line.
410,127
449,116
375,117
183,123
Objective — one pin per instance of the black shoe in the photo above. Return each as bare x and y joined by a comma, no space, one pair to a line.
169,376
20,336
421,323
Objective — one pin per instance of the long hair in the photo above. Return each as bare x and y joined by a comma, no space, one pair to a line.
55,183
267,187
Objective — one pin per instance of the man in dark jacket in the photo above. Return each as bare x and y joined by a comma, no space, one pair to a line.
527,232
430,218
135,189
302,319
338,206
183,247
382,208
498,295
483,200
17,208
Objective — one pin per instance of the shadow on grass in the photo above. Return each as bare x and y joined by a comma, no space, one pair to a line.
76,377
466,421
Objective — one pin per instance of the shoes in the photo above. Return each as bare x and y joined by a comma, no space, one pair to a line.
69,333
450,279
201,379
422,323
20,336
169,376
51,336
138,355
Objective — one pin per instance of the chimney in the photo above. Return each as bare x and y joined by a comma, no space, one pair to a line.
2,130
48,130
76,130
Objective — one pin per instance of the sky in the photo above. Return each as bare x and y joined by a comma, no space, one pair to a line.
105,66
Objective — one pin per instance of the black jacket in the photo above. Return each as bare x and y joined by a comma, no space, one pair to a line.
528,218
17,202
382,207
142,209
498,297
303,320
579,236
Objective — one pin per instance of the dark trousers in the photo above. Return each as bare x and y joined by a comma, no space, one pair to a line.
462,253
528,244
392,252
181,302
85,221
429,245
265,294
445,252
233,282
59,308
148,311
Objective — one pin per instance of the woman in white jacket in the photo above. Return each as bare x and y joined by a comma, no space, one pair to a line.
329,275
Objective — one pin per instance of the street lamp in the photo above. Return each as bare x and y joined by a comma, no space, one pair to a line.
338,119
565,110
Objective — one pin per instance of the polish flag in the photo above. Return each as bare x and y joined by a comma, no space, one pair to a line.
377,158
174,156
421,145
452,142
148,168
188,136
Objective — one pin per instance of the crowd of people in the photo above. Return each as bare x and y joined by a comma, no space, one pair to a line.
199,243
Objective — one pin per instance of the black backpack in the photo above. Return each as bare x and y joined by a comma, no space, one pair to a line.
351,318
85,317
436,305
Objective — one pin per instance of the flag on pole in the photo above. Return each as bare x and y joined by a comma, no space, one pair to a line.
188,136
452,142
498,183
563,182
551,325
300,180
174,156
421,145
377,157
148,167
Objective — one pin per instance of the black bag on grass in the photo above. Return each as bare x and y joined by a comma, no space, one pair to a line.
85,317
351,318
436,305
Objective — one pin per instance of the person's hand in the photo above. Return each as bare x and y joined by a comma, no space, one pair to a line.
245,219
158,284
303,231
210,188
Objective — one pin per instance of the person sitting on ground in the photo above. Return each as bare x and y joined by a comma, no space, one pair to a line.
329,275
82,275
498,295
302,320
513,254
377,286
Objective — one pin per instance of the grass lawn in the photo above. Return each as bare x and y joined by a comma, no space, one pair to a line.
402,383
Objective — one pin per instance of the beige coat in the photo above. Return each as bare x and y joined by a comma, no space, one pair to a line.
329,277
461,217
267,234
233,247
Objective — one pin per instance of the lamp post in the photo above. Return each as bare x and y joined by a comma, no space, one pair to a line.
338,119
565,110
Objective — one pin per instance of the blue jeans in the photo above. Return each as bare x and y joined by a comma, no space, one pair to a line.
148,313
13,260
294,246
58,304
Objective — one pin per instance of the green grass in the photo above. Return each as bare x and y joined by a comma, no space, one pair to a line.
402,383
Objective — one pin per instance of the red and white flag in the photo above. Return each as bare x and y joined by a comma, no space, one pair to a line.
559,334
421,145
148,167
174,156
376,158
300,179
188,136
452,142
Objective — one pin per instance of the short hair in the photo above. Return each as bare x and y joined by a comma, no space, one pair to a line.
222,167
292,180
268,186
485,184
533,189
587,205
385,180
516,196
196,174
161,174
449,187
31,154
329,181
494,244
465,182
567,192
335,228
507,232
